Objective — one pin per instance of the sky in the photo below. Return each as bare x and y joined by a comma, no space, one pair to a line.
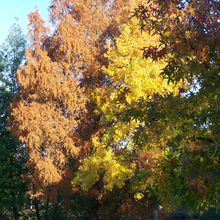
11,9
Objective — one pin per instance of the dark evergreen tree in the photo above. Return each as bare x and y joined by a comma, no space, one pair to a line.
13,186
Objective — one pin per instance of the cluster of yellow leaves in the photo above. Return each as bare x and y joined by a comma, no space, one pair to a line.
102,165
131,78
128,70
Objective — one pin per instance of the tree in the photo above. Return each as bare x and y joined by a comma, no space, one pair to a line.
163,128
134,85
13,53
12,164
52,115
189,30
123,104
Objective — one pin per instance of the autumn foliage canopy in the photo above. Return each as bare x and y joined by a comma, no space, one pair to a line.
119,102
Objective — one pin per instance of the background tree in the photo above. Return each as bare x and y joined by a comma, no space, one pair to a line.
12,164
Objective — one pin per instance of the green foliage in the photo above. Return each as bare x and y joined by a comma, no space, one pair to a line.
189,30
13,186
12,56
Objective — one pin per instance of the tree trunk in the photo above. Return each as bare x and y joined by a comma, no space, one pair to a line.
46,210
36,205
95,208
156,212
56,211
15,213
47,206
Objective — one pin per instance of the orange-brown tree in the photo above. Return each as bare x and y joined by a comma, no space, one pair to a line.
52,115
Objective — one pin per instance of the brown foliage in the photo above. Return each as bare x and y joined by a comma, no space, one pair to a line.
53,112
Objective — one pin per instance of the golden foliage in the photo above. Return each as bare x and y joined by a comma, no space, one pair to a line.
131,79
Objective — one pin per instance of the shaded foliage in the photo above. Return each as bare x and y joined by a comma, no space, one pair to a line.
12,163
